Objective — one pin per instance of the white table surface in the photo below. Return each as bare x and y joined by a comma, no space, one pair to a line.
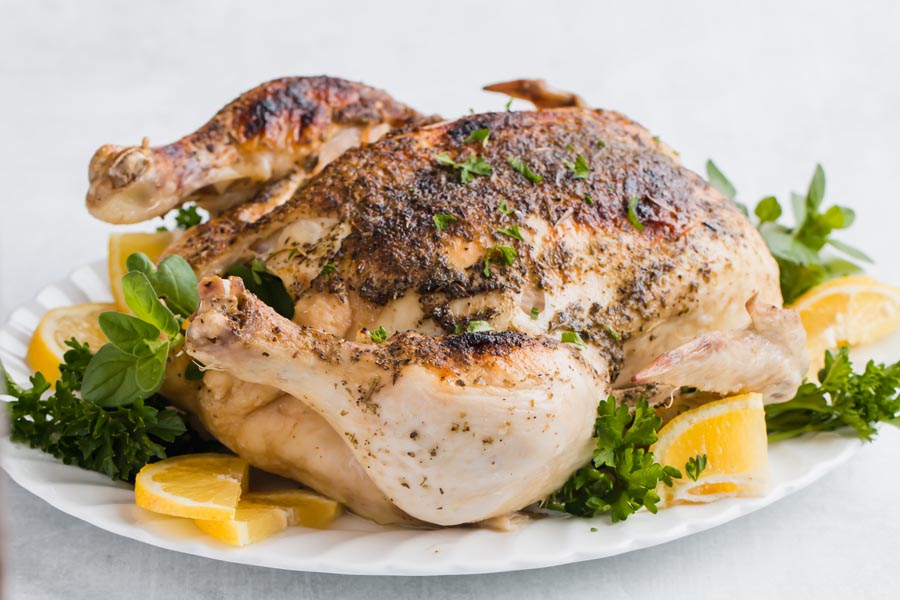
767,89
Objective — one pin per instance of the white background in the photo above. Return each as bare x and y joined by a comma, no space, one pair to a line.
765,88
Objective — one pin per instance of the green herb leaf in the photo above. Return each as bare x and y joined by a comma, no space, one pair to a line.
524,169
535,312
512,231
589,200
572,337
718,180
623,476
695,466
478,327
504,208
474,165
633,216
479,135
127,333
117,378
580,168
601,144
188,217
506,254
509,105
141,298
441,220
115,441
194,371
768,210
842,399
174,281
327,270
378,335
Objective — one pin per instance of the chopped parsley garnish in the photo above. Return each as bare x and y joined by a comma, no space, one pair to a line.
378,335
504,208
188,217
441,220
509,105
842,398
656,139
474,165
588,199
512,231
623,476
612,332
327,270
572,337
695,466
506,254
800,250
579,168
632,214
535,312
601,144
479,135
524,169
478,326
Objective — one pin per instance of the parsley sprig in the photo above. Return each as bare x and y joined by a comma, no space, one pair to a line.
506,255
469,168
800,250
115,441
623,475
842,398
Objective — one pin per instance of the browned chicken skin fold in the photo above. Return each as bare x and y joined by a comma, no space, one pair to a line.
261,135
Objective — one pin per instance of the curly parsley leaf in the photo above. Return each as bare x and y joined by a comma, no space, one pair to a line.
114,441
379,335
512,231
479,135
506,255
188,217
842,398
520,166
580,168
695,466
623,475
442,220
474,165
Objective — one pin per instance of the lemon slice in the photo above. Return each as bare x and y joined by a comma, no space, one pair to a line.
251,523
47,346
304,507
732,434
847,311
121,246
196,486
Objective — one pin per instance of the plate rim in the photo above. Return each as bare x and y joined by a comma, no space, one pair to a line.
94,272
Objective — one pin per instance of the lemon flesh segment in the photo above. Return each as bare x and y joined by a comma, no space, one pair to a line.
847,311
732,434
251,523
196,486
47,346
304,508
121,246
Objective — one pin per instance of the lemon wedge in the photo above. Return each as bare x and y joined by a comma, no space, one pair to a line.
251,523
304,507
47,346
196,486
731,433
121,246
847,311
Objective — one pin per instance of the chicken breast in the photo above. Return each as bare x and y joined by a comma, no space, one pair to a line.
564,221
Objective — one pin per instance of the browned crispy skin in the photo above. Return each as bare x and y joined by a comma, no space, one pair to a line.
259,136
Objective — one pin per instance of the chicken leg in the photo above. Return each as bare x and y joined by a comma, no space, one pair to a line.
453,429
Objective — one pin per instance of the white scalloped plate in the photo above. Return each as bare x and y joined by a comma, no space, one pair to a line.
356,546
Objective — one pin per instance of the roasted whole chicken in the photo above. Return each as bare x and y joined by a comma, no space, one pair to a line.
523,266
